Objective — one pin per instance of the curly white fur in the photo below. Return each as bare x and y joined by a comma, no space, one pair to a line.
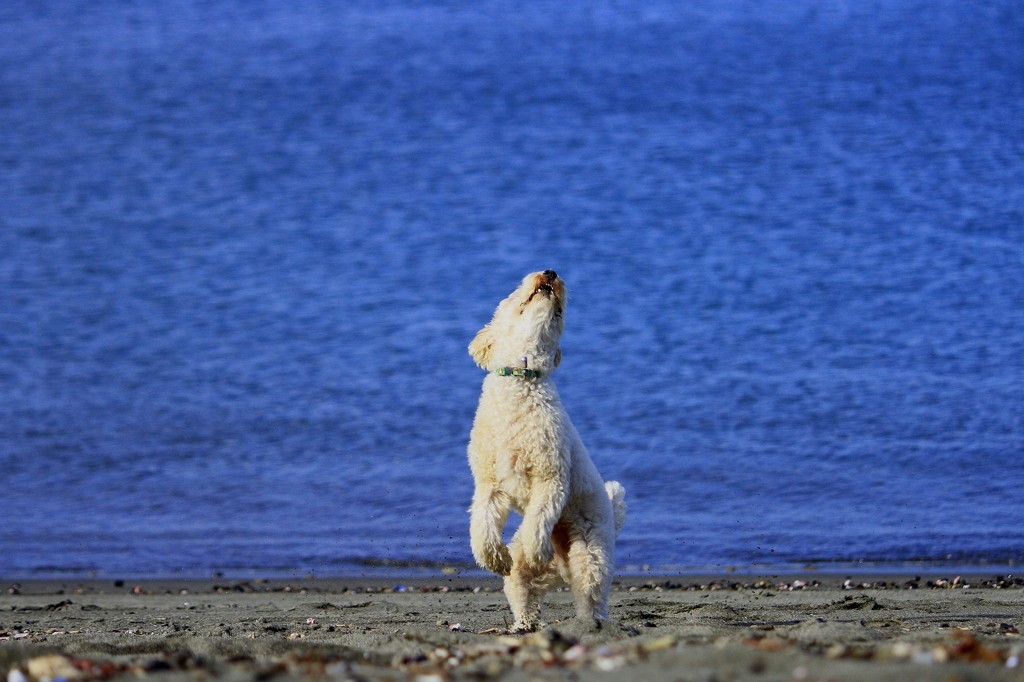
526,455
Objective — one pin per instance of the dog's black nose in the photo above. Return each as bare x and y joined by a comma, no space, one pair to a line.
550,275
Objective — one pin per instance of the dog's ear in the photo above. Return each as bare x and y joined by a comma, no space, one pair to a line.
558,358
480,348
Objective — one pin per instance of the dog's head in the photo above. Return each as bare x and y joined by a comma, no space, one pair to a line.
527,324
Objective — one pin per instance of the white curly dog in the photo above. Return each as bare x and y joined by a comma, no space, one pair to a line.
525,455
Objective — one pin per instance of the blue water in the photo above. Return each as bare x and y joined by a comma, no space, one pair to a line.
243,247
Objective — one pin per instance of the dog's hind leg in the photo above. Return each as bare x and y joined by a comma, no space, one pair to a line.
591,562
524,588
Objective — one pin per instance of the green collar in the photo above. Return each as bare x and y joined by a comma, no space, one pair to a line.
517,372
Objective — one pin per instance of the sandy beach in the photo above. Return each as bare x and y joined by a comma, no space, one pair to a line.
690,628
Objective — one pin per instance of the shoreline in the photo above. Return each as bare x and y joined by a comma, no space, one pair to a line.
669,582
402,571
663,629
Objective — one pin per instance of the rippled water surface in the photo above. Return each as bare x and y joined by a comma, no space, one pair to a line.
243,247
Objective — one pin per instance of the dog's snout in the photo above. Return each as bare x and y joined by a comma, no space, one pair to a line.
546,288
550,275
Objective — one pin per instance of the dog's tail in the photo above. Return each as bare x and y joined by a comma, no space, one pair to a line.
617,494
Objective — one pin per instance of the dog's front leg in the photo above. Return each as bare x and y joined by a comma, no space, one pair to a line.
547,499
487,519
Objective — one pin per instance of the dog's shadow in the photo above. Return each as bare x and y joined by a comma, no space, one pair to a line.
589,632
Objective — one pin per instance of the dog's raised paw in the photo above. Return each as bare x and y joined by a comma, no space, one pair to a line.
493,556
499,561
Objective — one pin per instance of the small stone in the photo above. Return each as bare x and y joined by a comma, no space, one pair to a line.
574,653
661,643
609,663
836,651
52,667
902,650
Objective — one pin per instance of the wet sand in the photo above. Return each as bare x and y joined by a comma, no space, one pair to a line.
691,628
